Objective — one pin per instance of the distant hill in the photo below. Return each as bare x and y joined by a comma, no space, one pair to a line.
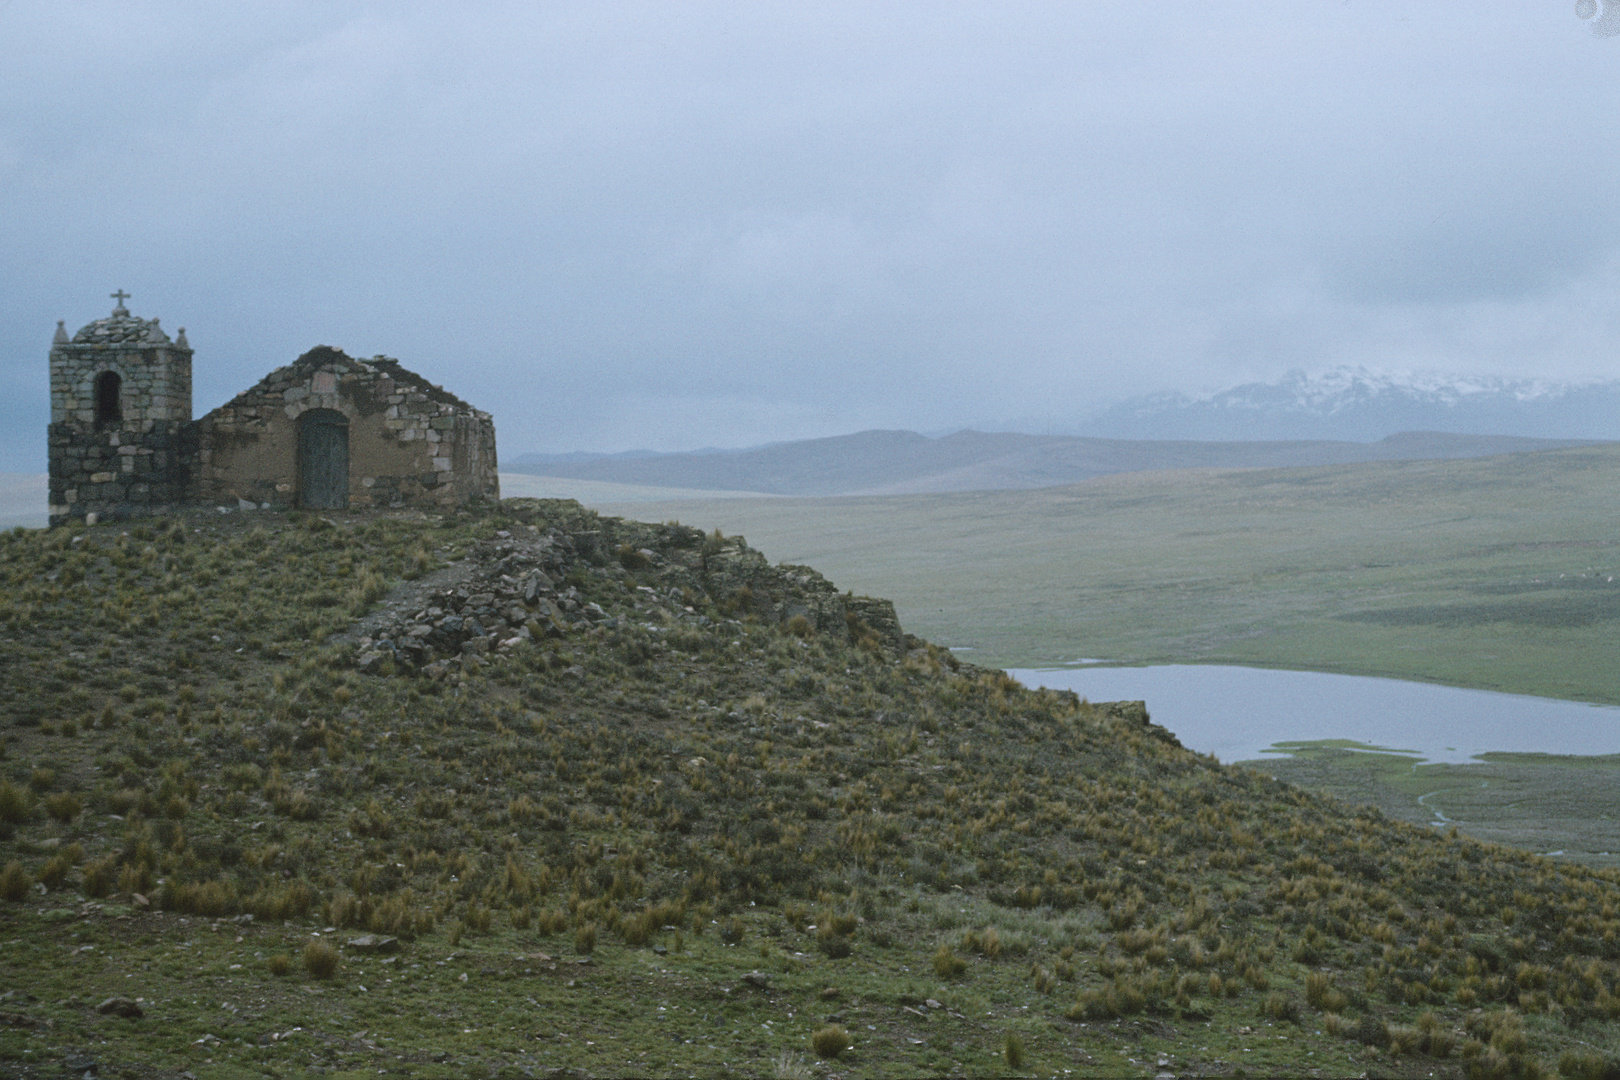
904,462
1362,405
23,498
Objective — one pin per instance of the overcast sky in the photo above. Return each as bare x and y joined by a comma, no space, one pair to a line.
694,224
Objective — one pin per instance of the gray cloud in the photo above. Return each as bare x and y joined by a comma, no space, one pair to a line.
717,224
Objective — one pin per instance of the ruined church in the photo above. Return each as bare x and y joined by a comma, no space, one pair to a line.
327,432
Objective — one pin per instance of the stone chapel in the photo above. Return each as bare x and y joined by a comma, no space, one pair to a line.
327,432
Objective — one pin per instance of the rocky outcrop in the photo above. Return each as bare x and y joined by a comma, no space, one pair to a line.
1135,712
524,585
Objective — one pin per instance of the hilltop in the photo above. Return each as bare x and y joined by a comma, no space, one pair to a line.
535,790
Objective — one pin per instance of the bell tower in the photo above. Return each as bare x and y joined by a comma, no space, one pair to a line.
120,418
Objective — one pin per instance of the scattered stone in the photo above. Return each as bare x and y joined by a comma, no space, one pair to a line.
759,979
932,1004
373,943
536,584
121,1006
371,661
139,901
79,1063
17,1019
660,950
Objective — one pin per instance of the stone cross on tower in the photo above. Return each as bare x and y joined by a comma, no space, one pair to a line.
120,296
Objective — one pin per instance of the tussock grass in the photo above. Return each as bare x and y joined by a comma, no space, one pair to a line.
321,959
830,1041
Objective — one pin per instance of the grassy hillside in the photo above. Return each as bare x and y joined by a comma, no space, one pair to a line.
617,798
1493,573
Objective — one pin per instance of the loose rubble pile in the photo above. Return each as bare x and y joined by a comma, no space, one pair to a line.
512,597
524,586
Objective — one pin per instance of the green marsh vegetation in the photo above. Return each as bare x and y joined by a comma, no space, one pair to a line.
1568,807
699,832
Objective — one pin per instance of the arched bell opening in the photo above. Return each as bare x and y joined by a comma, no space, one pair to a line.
109,394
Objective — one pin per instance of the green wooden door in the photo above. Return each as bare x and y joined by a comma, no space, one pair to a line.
323,460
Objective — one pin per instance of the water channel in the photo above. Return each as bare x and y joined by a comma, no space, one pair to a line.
1243,713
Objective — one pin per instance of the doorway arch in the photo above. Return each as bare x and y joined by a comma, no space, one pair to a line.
323,460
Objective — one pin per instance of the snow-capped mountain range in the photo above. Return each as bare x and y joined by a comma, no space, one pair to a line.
1362,405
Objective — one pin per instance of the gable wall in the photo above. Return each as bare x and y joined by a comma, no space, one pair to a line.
410,444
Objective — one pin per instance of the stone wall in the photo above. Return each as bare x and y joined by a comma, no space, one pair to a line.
138,464
411,444
116,474
156,372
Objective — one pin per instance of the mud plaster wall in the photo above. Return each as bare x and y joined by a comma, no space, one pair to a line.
411,444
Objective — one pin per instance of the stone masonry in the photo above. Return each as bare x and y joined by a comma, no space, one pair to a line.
410,443
120,413
327,431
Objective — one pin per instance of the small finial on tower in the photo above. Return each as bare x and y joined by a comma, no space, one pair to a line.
120,296
61,337
180,339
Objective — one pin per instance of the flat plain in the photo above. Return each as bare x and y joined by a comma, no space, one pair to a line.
1496,573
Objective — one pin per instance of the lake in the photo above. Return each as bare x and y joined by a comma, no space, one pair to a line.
1242,713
